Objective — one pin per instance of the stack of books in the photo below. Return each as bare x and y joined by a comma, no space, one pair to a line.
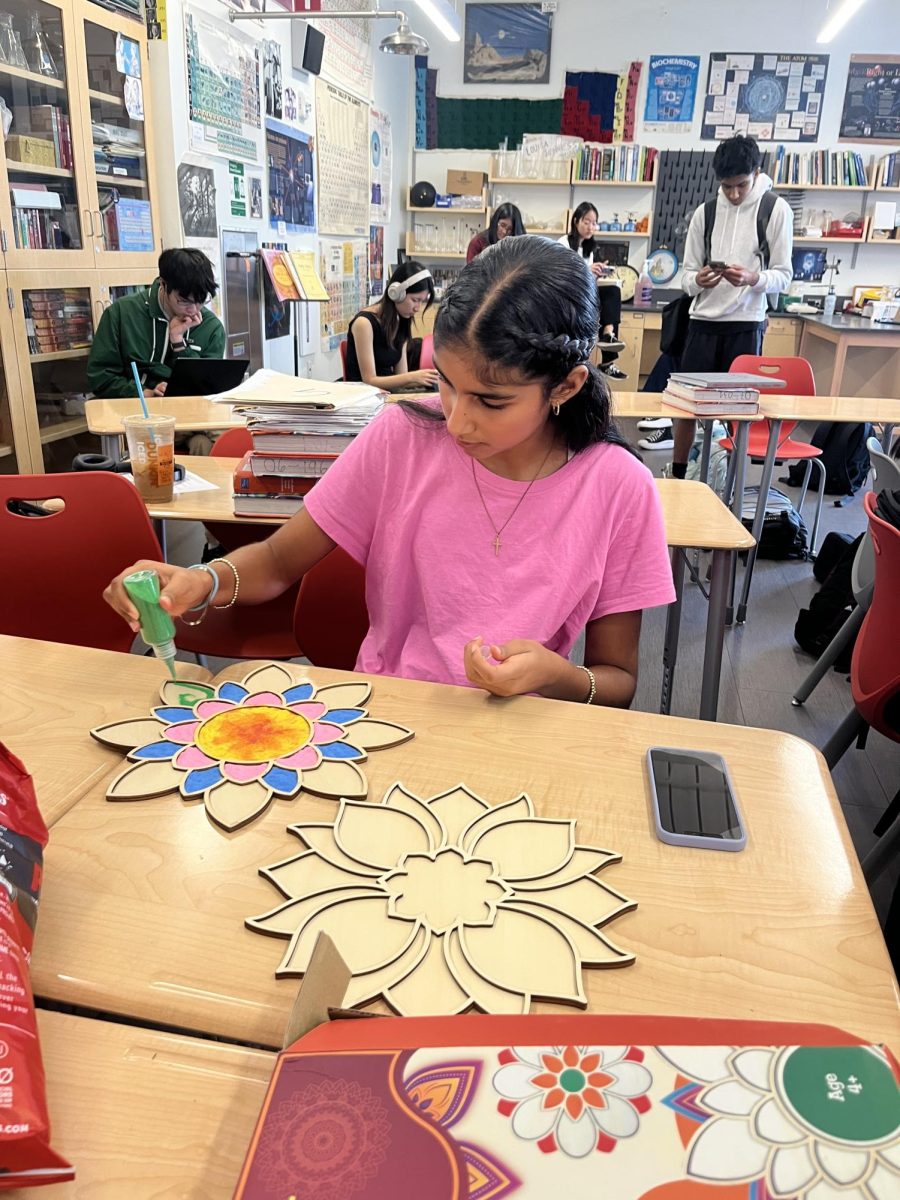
817,168
595,163
49,119
57,319
710,394
298,427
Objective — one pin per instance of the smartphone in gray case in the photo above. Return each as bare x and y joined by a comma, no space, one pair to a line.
694,802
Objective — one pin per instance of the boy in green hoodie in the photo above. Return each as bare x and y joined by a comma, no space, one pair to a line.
156,326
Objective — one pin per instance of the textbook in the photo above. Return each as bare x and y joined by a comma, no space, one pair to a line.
287,466
713,407
298,443
266,388
743,395
725,379
250,482
266,505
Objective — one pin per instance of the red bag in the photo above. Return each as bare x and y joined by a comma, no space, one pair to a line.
26,1159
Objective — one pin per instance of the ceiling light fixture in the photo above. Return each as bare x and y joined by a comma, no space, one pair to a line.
846,10
402,41
444,16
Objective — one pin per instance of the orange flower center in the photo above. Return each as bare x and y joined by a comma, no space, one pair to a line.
252,735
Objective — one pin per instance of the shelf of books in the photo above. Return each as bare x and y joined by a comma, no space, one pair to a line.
819,170
888,177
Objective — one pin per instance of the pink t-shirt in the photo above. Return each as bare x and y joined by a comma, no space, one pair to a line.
586,541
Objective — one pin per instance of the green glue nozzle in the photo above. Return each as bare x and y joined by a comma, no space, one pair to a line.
157,627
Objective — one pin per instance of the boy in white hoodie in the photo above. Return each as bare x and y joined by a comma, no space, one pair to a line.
728,313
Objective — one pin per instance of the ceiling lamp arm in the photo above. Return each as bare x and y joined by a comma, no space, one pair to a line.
267,15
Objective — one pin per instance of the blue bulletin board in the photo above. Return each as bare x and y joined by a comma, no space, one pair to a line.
771,97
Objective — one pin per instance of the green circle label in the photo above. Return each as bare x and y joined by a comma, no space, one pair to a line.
846,1093
572,1080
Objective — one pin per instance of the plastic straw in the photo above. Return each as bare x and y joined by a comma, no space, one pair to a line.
140,390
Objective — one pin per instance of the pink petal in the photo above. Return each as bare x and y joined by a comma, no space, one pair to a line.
192,757
183,734
271,699
211,708
323,733
311,709
244,772
301,759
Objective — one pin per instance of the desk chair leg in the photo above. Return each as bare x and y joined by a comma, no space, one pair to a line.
814,540
884,850
706,451
829,655
160,527
673,629
887,433
759,516
804,485
737,506
720,578
111,445
843,738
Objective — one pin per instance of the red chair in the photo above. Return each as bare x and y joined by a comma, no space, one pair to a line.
426,356
57,565
875,675
799,381
343,350
257,631
331,618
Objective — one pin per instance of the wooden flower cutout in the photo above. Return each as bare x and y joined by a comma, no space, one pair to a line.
447,903
240,744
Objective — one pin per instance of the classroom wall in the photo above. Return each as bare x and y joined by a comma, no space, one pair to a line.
600,35
391,93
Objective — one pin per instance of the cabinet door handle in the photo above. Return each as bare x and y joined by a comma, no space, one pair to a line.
99,304
99,232
89,221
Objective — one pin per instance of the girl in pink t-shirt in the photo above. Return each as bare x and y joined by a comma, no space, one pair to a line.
494,526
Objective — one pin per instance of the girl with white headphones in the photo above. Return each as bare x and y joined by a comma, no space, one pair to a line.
379,336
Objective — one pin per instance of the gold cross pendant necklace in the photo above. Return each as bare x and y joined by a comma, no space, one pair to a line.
497,543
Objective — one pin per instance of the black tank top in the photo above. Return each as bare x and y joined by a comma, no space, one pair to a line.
386,355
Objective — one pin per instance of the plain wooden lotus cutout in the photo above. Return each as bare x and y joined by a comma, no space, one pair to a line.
235,746
448,903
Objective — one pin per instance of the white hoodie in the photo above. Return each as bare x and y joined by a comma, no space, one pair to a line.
734,242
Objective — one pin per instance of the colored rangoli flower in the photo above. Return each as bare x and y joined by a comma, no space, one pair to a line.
812,1122
240,744
573,1098
446,903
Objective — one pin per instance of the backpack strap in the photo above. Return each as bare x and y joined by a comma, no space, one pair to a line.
709,221
763,213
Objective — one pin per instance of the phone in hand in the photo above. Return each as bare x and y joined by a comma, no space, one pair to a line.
694,803
718,266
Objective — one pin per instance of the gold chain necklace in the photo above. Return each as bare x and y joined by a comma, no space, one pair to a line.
497,544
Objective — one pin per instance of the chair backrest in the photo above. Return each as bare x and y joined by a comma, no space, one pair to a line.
885,470
233,443
330,617
796,372
885,477
56,566
426,356
875,667
343,350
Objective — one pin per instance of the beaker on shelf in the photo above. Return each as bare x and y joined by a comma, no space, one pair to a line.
11,51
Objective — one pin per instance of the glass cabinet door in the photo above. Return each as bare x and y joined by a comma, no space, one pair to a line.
44,216
15,449
118,141
53,322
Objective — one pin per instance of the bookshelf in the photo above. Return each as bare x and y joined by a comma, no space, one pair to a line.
44,81
836,241
18,168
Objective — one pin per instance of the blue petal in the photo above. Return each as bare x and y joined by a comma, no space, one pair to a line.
200,780
232,691
302,691
172,716
156,750
340,750
343,716
281,779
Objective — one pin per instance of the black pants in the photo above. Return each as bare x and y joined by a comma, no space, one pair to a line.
610,301
714,345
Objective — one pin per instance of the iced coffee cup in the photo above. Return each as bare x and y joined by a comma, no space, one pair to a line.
151,448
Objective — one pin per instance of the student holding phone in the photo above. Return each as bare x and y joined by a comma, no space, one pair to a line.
729,272
581,239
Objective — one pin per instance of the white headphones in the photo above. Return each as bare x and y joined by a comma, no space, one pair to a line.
397,291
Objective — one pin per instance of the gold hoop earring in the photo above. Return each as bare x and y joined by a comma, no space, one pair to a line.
555,409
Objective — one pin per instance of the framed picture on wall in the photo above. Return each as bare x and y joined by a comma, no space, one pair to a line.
507,43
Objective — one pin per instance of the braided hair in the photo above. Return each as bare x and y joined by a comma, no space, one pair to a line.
528,306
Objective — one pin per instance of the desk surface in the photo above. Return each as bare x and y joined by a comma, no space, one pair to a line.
884,410
144,903
693,514
190,413
839,323
147,1115
52,693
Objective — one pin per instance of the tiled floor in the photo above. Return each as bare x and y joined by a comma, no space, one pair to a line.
761,667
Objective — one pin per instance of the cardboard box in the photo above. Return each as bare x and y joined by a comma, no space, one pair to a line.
26,149
465,183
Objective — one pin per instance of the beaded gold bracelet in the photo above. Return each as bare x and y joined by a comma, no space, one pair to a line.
237,585
590,674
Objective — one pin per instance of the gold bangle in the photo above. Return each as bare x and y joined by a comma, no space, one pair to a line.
590,674
237,585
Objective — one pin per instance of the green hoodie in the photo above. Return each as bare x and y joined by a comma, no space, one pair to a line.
135,329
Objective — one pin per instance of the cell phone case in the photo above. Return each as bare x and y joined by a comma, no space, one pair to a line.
689,839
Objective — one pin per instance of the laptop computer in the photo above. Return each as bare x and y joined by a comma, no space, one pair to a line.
205,376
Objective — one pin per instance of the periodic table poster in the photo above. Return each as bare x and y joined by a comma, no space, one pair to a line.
342,127
771,97
223,89
347,55
344,273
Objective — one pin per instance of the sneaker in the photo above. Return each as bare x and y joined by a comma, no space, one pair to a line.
654,423
660,439
609,341
613,371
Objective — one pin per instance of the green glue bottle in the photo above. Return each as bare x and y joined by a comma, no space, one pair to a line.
157,627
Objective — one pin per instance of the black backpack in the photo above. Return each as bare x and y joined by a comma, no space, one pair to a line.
676,314
833,603
845,458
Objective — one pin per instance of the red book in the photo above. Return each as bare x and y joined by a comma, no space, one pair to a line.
306,466
248,484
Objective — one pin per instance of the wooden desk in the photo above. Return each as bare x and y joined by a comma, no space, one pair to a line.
191,413
852,355
144,1114
52,693
144,903
693,516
